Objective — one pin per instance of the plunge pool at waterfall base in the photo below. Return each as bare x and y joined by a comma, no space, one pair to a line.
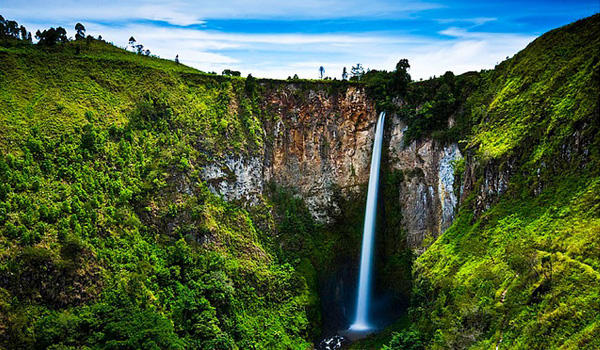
345,338
386,310
356,334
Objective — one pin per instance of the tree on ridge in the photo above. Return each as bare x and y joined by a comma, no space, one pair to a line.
50,37
357,72
80,29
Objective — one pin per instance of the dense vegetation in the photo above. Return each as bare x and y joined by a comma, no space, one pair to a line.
525,272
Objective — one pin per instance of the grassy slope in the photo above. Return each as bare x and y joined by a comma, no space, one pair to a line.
108,237
526,271
53,89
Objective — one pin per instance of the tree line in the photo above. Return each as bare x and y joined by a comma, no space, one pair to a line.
11,30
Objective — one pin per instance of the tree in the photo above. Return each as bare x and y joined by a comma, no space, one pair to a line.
80,29
232,73
132,42
357,72
250,85
11,29
321,71
23,33
401,78
51,37
344,74
402,65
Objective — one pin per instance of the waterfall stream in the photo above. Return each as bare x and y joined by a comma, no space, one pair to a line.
361,322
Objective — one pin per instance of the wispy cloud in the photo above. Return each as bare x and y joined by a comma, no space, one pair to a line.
474,21
194,12
282,55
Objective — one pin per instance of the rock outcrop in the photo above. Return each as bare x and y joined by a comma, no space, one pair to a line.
319,143
427,195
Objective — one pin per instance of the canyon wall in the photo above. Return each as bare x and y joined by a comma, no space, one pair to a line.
318,143
427,194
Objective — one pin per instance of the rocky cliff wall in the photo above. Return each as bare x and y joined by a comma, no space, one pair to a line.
427,194
320,144
319,141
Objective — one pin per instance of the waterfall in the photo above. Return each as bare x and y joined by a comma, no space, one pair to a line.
361,322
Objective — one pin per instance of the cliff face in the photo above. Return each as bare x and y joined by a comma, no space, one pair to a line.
427,193
319,143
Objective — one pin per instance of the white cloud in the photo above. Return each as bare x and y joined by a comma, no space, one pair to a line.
466,51
475,21
283,55
155,12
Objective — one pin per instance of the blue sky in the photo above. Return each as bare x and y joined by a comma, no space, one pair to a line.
279,38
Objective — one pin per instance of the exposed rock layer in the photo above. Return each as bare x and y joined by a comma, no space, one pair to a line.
427,195
319,143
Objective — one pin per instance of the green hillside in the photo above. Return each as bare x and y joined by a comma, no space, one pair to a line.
99,246
524,273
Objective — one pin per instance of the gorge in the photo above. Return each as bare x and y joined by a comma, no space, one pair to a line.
145,204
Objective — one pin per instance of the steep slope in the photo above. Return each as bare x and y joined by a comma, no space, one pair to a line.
520,266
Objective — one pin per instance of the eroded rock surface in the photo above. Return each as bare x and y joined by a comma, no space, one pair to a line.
427,195
319,143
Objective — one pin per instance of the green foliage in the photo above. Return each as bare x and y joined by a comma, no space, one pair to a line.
518,276
409,339
233,73
51,37
386,87
525,99
109,238
100,246
11,31
123,280
522,273
429,105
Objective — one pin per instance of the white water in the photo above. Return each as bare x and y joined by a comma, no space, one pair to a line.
361,322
